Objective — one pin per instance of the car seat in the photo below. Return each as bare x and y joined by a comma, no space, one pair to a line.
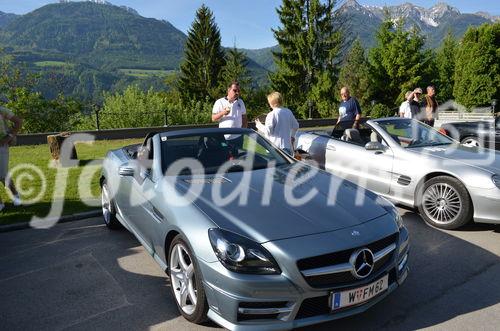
352,135
212,152
374,137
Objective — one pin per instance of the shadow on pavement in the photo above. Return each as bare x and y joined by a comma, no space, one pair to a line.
81,276
72,276
445,272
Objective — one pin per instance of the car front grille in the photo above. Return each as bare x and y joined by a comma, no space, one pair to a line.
343,277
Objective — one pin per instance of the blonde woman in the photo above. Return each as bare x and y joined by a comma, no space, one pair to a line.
280,126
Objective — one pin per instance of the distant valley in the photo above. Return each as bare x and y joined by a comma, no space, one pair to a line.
85,47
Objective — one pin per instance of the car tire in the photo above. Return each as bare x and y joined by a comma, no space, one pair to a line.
186,282
471,142
445,203
108,208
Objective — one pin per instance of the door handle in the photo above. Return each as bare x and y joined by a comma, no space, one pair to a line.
331,148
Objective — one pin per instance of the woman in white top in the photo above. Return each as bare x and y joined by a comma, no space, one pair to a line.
405,109
280,126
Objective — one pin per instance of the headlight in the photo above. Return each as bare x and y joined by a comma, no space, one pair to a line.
242,255
496,180
397,217
391,209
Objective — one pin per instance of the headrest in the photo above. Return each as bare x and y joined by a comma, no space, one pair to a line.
352,134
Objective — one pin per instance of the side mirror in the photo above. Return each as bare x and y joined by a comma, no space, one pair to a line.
126,170
374,146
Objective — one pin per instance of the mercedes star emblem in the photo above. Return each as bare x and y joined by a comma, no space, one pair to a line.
362,263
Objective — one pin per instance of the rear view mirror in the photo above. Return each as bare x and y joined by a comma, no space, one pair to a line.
374,146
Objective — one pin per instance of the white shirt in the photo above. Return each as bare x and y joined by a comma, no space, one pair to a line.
234,118
279,127
405,109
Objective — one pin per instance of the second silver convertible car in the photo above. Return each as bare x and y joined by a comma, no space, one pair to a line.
414,165
226,221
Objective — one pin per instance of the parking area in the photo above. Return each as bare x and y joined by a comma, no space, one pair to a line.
80,276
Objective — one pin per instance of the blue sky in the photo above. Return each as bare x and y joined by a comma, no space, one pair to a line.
246,23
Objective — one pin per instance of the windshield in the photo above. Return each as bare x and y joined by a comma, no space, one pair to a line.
411,133
212,151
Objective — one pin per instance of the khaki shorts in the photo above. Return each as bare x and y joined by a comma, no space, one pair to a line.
4,162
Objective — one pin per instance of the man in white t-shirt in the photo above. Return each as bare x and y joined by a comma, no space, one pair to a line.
280,126
230,112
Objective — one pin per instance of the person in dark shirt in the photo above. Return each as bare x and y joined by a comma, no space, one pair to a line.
414,100
349,109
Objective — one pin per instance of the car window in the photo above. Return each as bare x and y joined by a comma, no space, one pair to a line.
213,151
411,133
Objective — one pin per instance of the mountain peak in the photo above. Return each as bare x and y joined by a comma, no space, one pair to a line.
441,9
352,5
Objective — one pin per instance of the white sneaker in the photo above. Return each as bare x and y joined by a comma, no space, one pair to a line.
16,201
2,206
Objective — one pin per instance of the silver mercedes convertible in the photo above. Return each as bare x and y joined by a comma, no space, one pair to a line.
414,165
249,237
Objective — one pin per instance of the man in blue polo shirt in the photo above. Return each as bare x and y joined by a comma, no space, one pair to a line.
349,109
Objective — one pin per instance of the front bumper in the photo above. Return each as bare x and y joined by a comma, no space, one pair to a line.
274,302
486,205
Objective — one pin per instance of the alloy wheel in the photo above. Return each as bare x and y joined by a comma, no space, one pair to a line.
442,203
183,279
106,205
471,142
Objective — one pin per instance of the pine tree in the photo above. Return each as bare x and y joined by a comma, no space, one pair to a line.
355,74
398,62
445,66
477,69
310,40
204,58
235,69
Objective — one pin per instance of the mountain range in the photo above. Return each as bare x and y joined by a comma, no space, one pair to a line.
434,22
106,38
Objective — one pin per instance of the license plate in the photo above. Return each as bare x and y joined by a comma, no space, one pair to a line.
359,295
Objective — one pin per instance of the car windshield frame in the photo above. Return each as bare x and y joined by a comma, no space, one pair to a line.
276,157
422,135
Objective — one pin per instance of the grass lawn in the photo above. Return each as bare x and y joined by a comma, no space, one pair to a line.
31,184
53,64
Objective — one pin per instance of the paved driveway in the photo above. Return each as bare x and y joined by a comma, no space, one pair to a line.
80,276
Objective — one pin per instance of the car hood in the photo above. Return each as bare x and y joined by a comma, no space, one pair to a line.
482,158
277,219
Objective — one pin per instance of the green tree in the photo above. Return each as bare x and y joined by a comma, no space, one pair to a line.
477,70
133,108
203,58
235,69
445,66
310,40
39,114
398,62
355,74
